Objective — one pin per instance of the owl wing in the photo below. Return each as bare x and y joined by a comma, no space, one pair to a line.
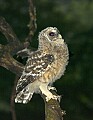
36,65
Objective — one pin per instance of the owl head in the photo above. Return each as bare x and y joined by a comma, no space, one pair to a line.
50,35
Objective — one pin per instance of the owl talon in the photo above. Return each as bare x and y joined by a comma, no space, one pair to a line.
59,98
53,97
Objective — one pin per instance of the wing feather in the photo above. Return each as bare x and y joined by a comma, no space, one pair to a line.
36,65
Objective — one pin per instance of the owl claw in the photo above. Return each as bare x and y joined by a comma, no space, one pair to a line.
59,98
53,97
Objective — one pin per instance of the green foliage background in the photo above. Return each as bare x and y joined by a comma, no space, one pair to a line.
74,19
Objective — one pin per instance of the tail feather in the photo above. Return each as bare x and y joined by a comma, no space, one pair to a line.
24,96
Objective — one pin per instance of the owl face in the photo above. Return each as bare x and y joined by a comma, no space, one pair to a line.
52,35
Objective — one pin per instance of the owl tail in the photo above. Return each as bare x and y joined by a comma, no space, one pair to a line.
24,96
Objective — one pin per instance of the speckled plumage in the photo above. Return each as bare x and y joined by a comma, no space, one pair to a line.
43,67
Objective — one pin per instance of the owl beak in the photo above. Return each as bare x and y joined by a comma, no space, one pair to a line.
59,36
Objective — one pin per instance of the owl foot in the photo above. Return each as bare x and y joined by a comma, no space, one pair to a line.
45,90
53,97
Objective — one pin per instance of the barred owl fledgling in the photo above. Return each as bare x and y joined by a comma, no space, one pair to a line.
43,67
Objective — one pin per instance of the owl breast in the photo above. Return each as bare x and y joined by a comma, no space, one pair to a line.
61,61
57,68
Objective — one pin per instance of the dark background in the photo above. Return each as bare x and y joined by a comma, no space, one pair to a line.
74,19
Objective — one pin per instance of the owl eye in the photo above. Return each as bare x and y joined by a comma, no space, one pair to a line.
51,34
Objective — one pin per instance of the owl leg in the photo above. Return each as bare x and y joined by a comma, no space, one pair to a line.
52,88
47,93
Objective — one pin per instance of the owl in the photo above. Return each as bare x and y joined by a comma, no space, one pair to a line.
43,67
